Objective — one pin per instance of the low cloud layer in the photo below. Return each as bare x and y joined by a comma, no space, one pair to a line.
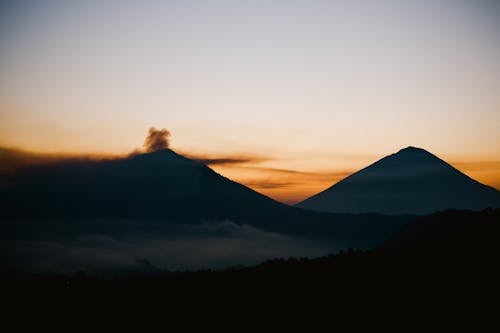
211,245
12,159
226,160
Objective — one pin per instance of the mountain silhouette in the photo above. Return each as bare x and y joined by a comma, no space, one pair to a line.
152,185
147,192
411,181
456,233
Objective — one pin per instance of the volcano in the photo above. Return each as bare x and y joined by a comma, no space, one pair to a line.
160,184
411,181
150,191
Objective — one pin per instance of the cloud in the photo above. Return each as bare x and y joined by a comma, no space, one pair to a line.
214,160
13,159
157,139
294,178
268,184
210,245
285,185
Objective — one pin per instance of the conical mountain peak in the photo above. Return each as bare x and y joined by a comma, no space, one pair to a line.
164,156
412,180
415,152
411,149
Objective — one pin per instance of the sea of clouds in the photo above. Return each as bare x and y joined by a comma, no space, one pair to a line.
179,247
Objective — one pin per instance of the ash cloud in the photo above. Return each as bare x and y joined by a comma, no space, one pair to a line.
225,160
157,139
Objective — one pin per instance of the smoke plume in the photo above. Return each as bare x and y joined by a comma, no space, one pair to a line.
157,139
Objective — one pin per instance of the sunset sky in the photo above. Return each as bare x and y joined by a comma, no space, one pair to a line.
286,97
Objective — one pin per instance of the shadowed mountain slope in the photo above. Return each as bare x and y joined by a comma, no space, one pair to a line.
412,181
154,185
149,191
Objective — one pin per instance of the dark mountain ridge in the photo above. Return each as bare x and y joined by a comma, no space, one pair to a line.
153,185
149,191
411,181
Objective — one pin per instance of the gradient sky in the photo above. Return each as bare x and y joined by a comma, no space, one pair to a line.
297,93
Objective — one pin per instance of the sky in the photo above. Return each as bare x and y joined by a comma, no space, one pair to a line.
287,97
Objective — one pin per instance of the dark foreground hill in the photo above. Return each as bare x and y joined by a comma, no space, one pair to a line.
434,278
411,181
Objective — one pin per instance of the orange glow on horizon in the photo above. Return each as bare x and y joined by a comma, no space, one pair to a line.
486,172
291,187
286,185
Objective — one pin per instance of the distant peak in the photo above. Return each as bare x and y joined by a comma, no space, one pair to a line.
161,154
161,151
411,149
